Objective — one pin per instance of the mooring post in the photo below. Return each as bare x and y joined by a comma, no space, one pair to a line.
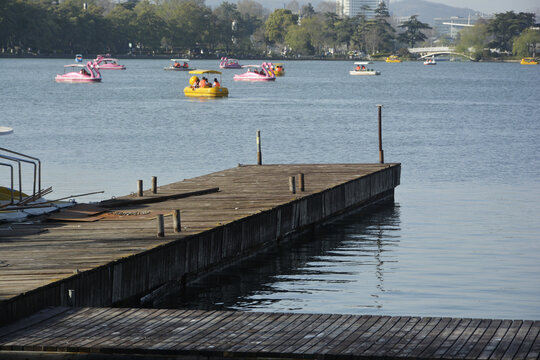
292,186
301,182
381,153
259,153
154,185
139,188
160,226
176,221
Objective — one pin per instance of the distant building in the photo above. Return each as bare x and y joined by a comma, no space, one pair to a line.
352,8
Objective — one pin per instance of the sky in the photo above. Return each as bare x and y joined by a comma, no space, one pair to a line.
493,6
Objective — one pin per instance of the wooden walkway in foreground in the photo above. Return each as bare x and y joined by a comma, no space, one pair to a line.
219,334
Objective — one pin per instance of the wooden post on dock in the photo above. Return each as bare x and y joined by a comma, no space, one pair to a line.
301,182
154,185
177,225
160,226
292,186
139,188
381,153
259,153
71,297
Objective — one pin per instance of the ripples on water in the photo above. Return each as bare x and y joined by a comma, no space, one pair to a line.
462,239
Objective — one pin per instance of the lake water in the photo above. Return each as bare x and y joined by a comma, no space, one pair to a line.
463,238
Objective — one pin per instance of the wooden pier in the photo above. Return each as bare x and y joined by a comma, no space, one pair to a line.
103,255
192,334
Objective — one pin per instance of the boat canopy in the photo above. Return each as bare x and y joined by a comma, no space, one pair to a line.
363,62
205,72
75,65
185,60
251,66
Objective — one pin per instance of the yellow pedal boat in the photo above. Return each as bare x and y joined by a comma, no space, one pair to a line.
529,61
279,70
393,59
208,91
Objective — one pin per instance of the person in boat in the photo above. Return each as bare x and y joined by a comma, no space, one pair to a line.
357,67
216,83
363,67
185,65
177,64
203,83
84,72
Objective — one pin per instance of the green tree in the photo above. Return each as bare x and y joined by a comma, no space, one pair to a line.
506,26
525,44
472,40
297,38
380,34
148,26
276,26
413,33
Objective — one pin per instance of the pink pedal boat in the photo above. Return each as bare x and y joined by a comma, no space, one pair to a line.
227,63
80,73
262,72
106,62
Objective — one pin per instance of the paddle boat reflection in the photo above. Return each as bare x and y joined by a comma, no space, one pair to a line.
201,87
261,72
361,69
106,62
80,73
227,63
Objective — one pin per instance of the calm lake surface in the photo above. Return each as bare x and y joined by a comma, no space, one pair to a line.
463,238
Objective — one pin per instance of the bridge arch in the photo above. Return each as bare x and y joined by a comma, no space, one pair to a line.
446,53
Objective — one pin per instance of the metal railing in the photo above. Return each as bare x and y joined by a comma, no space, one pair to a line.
37,171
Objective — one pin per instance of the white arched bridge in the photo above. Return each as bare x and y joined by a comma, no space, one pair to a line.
426,52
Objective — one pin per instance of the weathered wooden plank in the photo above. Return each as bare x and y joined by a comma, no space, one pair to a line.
495,340
265,336
286,334
486,337
530,349
386,339
354,334
370,336
430,337
518,340
407,337
506,340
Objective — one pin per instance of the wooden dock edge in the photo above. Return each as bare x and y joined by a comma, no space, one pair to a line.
138,274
